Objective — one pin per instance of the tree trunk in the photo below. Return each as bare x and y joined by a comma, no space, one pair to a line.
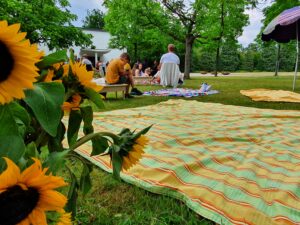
220,40
135,51
277,60
189,41
217,60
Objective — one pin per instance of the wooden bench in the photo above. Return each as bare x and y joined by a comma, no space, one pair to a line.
114,88
142,80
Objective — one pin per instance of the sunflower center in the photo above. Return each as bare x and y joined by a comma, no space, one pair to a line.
6,62
16,204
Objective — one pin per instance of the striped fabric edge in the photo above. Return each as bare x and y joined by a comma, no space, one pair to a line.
205,210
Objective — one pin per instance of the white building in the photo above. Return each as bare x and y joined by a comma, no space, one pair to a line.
100,52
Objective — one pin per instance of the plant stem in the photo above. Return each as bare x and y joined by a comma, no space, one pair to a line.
40,138
89,137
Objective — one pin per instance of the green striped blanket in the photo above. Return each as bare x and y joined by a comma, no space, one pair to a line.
230,164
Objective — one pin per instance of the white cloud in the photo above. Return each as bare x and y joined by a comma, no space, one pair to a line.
252,30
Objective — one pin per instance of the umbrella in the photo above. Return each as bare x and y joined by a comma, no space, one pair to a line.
283,28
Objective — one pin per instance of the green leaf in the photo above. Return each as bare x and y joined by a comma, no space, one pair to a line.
75,119
72,194
21,117
117,164
55,143
87,116
56,57
46,100
19,112
144,131
72,56
95,97
11,143
85,179
31,151
56,161
100,144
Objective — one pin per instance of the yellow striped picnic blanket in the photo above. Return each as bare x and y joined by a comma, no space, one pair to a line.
271,95
230,164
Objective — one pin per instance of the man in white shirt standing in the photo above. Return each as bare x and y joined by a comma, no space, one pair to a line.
169,68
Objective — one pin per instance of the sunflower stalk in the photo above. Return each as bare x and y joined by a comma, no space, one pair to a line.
89,137
69,94
41,138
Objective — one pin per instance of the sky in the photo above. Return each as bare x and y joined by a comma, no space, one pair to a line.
80,7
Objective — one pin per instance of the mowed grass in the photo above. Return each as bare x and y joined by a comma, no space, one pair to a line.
118,203
229,88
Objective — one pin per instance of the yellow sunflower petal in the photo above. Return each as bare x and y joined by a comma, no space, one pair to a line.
10,176
138,148
3,24
37,217
85,77
142,140
65,218
20,58
51,200
43,196
67,106
49,76
66,68
132,158
31,173
24,222
34,176
126,163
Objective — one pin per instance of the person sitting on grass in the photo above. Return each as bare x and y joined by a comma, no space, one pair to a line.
116,73
139,70
147,72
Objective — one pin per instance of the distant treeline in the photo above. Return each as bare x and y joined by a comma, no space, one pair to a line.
256,57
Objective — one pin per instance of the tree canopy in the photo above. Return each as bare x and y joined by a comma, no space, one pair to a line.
182,21
45,21
94,19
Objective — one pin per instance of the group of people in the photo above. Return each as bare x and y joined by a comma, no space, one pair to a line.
118,71
167,71
100,66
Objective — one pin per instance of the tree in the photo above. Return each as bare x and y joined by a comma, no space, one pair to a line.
228,18
267,56
229,56
45,21
181,20
250,57
94,19
132,31
288,56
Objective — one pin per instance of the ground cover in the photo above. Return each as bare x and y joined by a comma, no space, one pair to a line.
112,202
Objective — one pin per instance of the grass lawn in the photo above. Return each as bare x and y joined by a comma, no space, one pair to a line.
113,202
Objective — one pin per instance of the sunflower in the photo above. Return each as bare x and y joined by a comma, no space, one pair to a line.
40,54
49,76
17,63
73,105
65,218
135,153
85,77
57,66
26,196
66,68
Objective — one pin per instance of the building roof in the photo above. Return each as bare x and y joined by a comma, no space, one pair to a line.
91,52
